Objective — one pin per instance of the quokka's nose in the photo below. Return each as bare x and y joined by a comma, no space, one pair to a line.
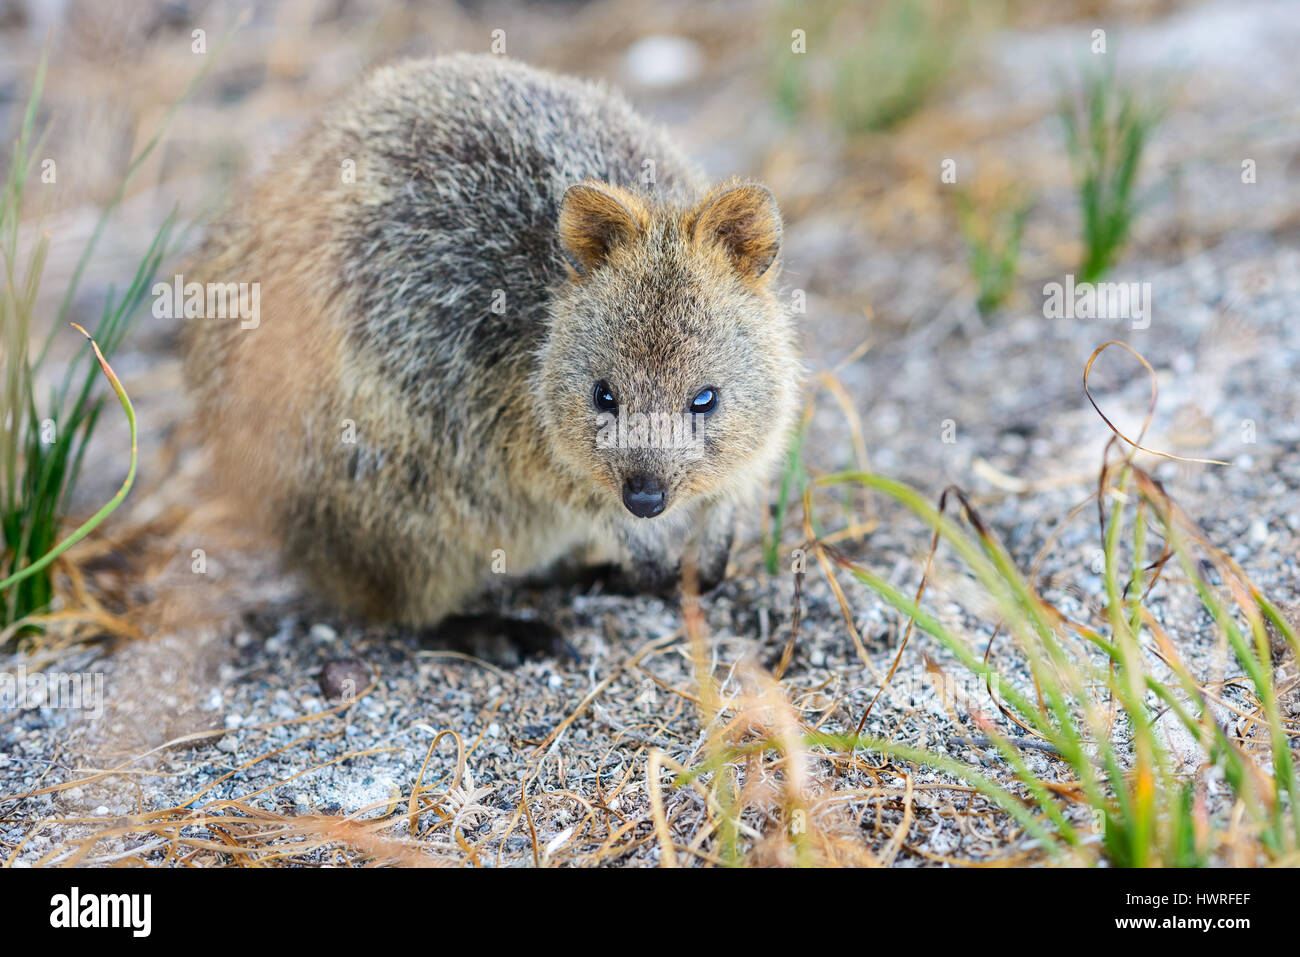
644,496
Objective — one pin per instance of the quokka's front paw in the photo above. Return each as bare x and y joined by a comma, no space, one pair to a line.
498,639
712,574
663,582
713,550
649,579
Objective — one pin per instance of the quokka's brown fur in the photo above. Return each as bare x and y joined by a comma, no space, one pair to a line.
449,263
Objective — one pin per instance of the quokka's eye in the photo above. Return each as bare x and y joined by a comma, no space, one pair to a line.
705,402
604,397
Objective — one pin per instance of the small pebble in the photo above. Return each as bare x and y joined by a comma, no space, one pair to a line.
663,61
344,678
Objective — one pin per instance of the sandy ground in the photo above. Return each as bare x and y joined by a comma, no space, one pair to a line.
233,710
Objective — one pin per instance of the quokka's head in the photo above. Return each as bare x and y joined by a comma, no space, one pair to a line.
669,370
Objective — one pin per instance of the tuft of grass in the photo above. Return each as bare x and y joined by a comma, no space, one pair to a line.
88,526
1106,132
881,82
992,247
787,73
1100,700
45,441
873,65
1097,704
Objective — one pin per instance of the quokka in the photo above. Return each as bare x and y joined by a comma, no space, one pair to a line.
466,269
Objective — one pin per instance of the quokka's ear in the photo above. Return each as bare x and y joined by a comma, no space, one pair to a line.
746,223
594,219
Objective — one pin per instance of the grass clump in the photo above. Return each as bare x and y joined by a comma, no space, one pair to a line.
1106,132
45,441
992,240
872,66
1099,706
908,53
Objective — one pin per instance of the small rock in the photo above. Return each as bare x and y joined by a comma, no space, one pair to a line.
344,678
323,632
1258,532
229,744
663,61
